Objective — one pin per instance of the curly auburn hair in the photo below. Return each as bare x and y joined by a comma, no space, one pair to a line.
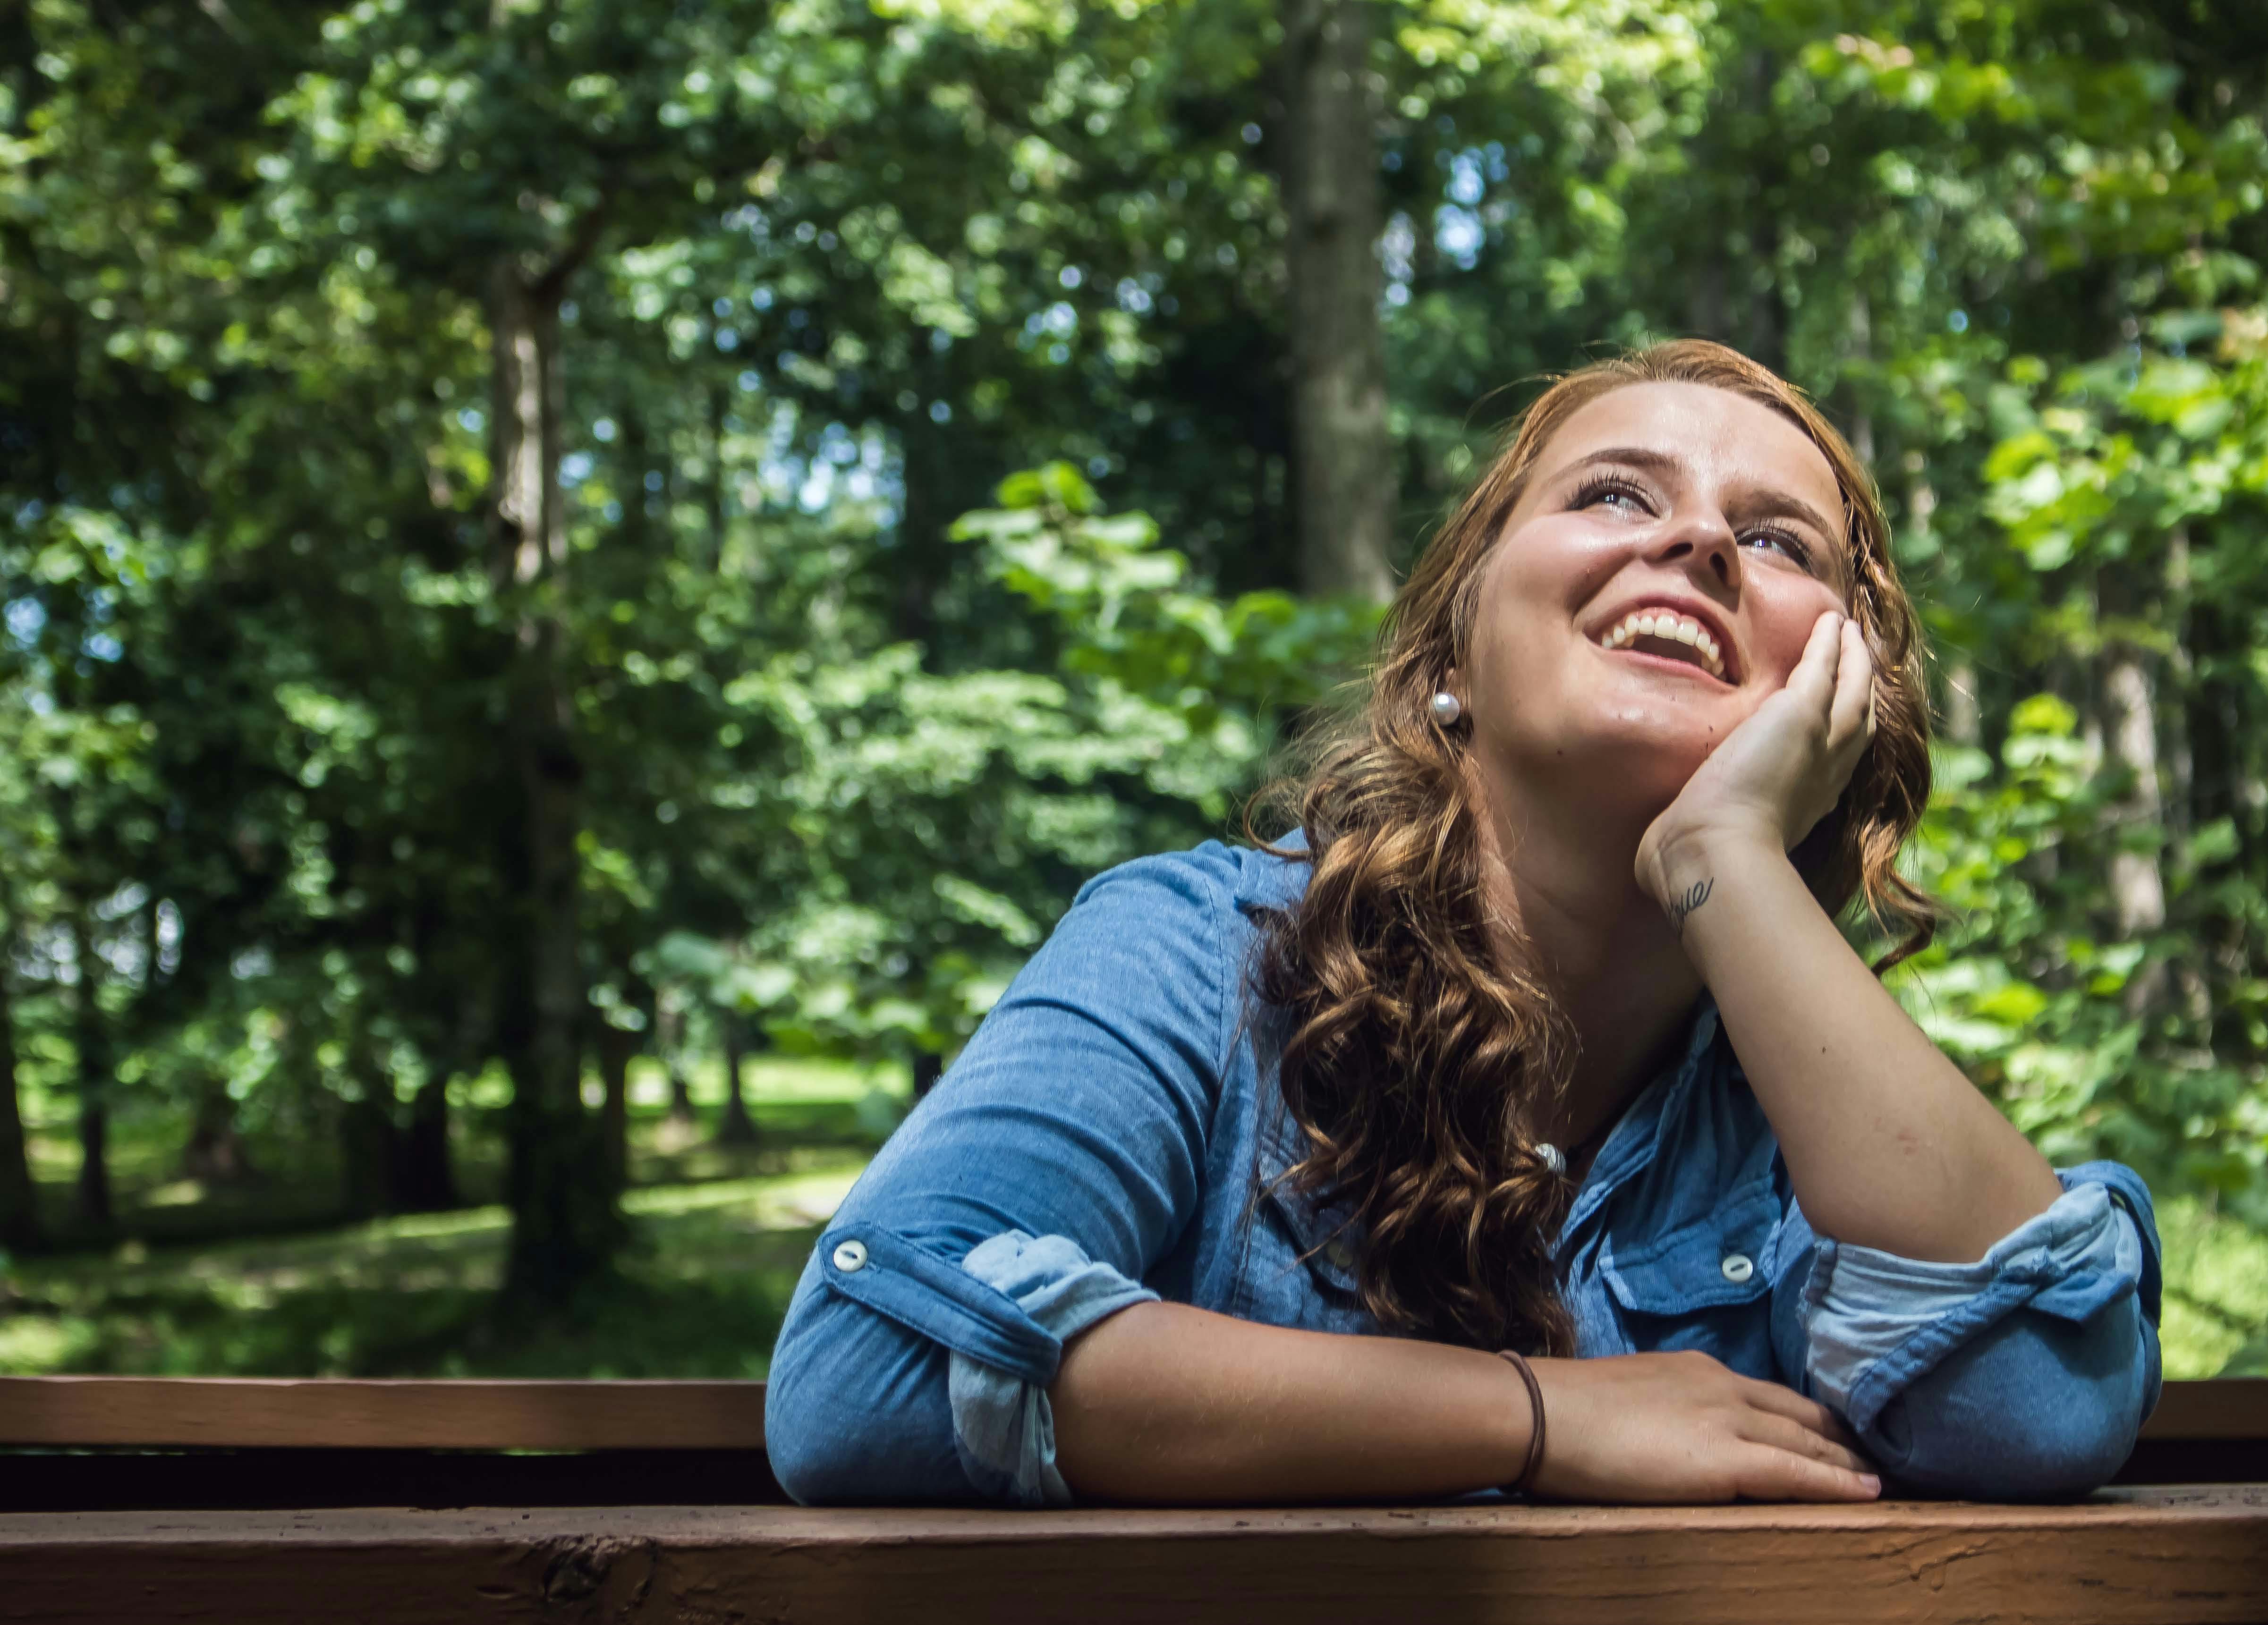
1418,1053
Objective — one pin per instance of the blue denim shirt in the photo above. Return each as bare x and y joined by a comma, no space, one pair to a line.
1112,1134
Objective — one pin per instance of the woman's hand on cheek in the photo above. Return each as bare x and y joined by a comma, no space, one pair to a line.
1781,771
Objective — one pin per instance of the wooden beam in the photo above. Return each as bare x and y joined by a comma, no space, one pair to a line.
342,1412
335,1413
2224,1408
2123,1557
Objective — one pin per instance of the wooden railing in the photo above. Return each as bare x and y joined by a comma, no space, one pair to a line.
171,1498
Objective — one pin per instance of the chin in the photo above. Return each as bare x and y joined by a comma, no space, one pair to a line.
1628,778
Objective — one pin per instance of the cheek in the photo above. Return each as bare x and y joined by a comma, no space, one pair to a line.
1783,629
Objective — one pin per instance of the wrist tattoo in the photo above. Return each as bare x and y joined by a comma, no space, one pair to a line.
1687,901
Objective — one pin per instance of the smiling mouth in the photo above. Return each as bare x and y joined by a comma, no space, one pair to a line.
1668,636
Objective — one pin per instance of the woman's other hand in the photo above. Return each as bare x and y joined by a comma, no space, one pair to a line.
1682,1428
1781,770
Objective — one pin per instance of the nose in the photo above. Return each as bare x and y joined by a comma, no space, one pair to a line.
1701,542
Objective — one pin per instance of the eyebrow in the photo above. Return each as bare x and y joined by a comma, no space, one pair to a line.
1775,503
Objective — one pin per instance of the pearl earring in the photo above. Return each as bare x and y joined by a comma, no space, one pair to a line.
1447,709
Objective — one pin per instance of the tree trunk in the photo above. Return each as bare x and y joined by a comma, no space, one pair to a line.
712,488
566,1224
367,1155
616,1045
215,1153
91,1037
1343,457
2130,737
19,1209
424,1180
734,1125
669,1043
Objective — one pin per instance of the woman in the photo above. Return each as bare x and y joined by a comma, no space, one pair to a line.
1539,1034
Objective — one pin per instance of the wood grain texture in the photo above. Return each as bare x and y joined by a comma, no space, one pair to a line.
2124,1555
341,1413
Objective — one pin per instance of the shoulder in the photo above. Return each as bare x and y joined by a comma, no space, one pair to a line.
1215,884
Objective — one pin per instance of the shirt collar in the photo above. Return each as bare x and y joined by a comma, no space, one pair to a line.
1635,1142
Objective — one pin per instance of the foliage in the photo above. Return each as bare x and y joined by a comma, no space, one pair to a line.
849,706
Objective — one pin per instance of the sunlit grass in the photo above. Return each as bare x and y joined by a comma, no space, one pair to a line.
701,1295
722,1232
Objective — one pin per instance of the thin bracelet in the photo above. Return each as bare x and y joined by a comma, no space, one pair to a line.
1519,1486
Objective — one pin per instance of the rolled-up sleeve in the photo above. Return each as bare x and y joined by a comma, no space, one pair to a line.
2028,1372
1022,1203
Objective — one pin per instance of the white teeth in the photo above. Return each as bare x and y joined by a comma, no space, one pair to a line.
1649,623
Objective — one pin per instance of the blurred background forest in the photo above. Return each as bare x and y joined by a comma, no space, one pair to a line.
583,578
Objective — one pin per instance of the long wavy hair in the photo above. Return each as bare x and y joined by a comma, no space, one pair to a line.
1418,1051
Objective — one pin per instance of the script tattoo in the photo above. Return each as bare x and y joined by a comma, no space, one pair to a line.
1687,901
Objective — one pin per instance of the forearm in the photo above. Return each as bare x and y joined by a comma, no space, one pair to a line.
1888,1145
1163,1402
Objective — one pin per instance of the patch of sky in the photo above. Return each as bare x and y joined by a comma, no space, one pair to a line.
169,936
1397,249
1459,235
472,419
103,647
602,431
750,381
1467,184
1133,298
1071,276
575,467
727,340
1958,321
26,618
761,300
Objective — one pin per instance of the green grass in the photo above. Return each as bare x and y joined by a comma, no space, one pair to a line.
701,1294
799,1104
261,1279
721,1234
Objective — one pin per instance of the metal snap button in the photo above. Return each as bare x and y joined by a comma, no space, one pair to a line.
851,1256
1738,1267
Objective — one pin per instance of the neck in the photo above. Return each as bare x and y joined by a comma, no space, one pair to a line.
1563,876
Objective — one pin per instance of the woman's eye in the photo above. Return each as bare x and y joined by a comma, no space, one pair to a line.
1614,493
1786,542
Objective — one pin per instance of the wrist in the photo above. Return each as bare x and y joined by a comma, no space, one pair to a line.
1678,863
1522,1478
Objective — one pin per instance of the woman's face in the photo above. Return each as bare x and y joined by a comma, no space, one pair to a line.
1657,580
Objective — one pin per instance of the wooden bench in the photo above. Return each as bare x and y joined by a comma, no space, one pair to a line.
177,1499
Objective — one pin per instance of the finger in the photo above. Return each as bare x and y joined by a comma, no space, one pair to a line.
1784,1433
1847,720
1786,1401
1812,681
1769,1474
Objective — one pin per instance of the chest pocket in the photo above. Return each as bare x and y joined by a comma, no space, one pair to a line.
1297,1271
1722,1261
